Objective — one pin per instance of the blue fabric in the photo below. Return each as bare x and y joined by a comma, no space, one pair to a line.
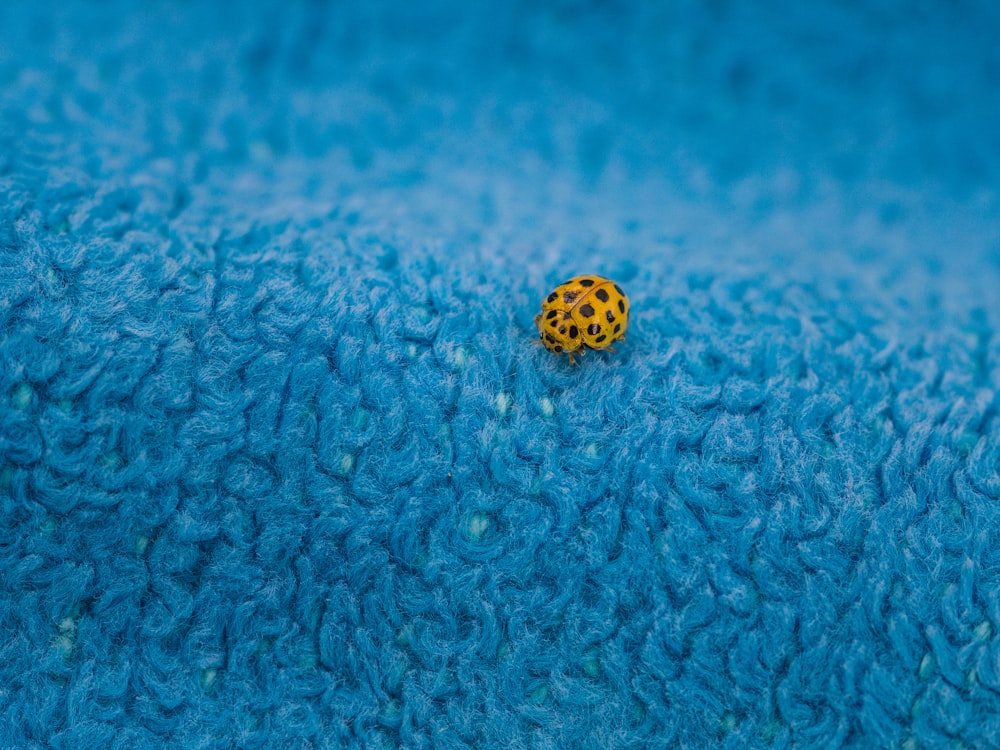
281,466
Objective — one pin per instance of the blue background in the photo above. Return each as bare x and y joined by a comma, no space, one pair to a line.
280,465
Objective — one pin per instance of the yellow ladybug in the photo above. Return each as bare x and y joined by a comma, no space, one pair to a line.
587,312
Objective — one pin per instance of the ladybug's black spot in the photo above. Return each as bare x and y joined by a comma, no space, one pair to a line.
599,339
610,316
562,330
618,328
551,314
621,304
602,295
552,297
619,290
594,328
558,350
587,310
554,323
570,297
574,332
566,316
549,338
586,282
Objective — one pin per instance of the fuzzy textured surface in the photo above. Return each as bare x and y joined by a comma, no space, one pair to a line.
280,465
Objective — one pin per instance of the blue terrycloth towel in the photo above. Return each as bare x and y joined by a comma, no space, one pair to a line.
282,467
